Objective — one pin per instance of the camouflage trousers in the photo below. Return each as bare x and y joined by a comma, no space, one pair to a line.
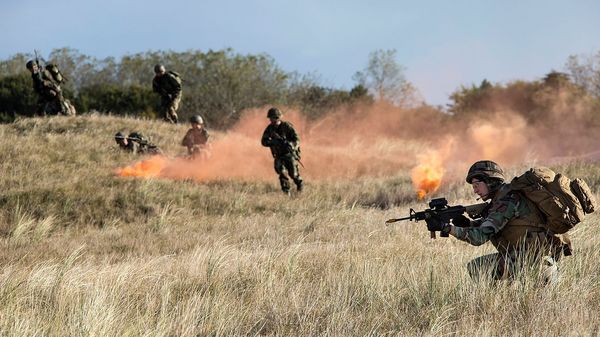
169,108
287,164
494,267
55,106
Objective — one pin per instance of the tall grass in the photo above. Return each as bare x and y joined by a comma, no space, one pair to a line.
86,253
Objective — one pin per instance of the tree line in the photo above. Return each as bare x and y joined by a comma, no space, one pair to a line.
220,84
217,84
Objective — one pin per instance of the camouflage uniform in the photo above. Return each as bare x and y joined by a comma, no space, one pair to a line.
137,144
284,143
515,227
50,98
168,86
195,140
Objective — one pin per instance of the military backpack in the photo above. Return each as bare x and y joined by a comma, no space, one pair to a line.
562,202
55,72
176,76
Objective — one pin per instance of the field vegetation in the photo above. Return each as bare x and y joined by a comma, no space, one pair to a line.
87,253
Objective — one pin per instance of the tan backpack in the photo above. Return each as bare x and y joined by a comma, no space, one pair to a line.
563,202
55,72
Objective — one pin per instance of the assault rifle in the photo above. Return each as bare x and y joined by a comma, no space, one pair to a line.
440,211
288,146
37,63
37,58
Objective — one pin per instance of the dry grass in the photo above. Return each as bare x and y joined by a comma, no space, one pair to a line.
86,253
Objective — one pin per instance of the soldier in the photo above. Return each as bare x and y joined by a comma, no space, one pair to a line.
284,142
136,143
512,223
196,139
168,85
50,97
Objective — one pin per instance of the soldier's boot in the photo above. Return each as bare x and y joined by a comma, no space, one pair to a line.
299,184
549,272
172,115
168,117
285,184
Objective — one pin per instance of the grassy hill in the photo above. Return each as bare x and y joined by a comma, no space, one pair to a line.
85,252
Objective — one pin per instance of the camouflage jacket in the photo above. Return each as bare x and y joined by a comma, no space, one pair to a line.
282,139
167,85
506,221
44,85
195,137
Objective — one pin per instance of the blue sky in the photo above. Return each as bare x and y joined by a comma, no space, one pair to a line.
442,44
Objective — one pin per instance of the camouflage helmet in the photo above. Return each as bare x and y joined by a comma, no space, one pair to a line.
30,64
196,119
274,113
485,169
119,135
159,68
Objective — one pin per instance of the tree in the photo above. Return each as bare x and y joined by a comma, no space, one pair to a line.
219,85
384,77
584,71
471,99
16,97
15,65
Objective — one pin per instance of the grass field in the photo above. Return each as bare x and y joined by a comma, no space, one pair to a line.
87,253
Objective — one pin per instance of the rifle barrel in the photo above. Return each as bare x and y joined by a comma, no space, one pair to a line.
399,219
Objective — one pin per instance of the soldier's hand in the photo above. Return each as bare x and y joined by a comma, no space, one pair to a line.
461,221
435,224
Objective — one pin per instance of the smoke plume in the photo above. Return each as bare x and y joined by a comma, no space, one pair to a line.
382,140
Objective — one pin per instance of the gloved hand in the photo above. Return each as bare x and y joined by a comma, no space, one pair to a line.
461,221
435,224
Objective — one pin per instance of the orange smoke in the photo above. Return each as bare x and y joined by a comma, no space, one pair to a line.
376,140
427,176
148,168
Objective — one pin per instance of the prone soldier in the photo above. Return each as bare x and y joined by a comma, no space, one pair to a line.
136,143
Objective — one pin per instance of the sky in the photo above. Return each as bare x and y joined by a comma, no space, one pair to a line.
441,44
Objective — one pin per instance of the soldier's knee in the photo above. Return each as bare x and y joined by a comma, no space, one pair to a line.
487,267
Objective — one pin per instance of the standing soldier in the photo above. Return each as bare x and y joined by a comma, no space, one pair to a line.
168,85
47,87
284,142
196,139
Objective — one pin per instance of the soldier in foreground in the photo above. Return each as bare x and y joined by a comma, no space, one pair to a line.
168,85
136,143
284,143
512,223
196,139
46,84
